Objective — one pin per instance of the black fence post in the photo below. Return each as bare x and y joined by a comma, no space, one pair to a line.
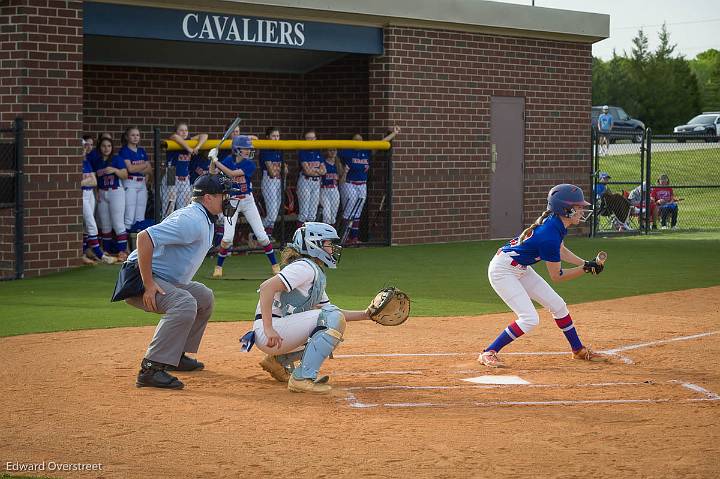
648,172
389,196
641,214
156,176
19,198
594,166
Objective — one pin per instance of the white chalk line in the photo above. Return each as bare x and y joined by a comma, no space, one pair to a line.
610,352
354,403
399,387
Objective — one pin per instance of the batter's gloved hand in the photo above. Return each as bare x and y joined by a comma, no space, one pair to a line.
389,307
593,267
213,154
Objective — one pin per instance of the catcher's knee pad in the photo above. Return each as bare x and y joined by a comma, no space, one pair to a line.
528,320
322,342
225,244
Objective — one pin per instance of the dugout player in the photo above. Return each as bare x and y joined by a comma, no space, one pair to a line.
512,277
312,168
271,165
168,256
357,163
180,160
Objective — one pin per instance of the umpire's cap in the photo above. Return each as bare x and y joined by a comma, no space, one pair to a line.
210,185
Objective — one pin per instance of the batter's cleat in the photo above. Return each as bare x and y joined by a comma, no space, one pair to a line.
587,354
217,274
490,359
107,259
154,375
275,268
308,386
187,364
275,369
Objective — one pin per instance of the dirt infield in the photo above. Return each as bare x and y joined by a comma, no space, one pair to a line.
652,411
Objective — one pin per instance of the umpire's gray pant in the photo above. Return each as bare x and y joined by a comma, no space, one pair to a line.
186,309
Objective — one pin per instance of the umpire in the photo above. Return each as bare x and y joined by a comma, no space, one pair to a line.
168,255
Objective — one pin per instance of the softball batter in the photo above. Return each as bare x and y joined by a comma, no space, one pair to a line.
513,279
111,205
294,319
240,168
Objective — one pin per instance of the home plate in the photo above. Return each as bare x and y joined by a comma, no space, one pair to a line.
497,380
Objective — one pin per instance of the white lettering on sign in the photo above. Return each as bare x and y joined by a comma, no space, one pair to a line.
238,29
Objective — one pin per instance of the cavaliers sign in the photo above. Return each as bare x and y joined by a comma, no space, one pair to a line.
129,21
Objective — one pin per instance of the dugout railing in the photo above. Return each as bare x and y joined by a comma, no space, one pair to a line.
690,163
12,209
374,214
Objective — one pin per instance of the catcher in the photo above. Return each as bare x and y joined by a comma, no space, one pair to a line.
295,320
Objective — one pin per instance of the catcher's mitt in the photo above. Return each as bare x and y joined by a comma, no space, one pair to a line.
389,307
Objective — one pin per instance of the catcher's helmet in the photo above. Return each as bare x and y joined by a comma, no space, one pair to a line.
563,199
308,240
241,142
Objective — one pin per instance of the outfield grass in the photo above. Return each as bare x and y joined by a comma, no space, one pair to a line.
700,208
443,280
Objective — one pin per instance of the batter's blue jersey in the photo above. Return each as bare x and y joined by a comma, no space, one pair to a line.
242,185
273,156
134,157
543,243
107,181
359,163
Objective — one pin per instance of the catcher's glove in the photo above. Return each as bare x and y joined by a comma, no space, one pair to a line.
593,267
389,307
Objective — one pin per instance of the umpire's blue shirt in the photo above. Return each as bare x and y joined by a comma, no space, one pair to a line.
180,243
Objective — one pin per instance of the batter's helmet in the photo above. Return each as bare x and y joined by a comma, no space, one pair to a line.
241,142
308,240
563,198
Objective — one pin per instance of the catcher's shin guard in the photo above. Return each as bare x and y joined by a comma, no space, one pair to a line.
322,342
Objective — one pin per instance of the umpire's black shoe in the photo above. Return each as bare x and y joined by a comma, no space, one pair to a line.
154,375
187,364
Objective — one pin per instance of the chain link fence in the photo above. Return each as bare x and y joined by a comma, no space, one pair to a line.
662,182
11,201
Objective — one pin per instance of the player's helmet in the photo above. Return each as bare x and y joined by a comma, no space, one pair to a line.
563,200
605,108
308,240
242,142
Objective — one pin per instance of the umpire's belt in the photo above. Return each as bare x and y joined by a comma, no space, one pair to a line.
312,178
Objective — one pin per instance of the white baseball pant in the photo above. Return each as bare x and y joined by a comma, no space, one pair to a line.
272,194
308,192
182,190
111,211
135,200
295,330
330,201
89,212
344,195
518,286
353,210
247,207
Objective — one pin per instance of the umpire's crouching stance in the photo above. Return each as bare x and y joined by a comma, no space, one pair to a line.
168,255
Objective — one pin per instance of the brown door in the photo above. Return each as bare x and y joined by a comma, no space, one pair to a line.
507,133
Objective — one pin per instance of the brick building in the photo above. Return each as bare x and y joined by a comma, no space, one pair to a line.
493,99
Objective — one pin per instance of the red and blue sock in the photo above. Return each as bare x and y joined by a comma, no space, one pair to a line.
270,253
122,241
222,254
568,329
92,242
107,242
509,334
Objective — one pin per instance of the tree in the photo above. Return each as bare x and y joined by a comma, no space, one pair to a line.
706,67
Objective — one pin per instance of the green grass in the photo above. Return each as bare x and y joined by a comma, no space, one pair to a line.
700,208
443,280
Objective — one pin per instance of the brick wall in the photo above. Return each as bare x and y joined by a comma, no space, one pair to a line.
41,60
437,86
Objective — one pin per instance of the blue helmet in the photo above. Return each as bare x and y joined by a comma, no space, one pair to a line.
241,142
308,240
563,199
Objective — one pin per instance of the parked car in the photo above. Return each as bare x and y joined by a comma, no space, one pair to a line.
622,123
707,125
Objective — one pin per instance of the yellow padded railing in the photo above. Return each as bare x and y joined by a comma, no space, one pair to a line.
170,145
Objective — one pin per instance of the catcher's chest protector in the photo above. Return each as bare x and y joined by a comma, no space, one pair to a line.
295,302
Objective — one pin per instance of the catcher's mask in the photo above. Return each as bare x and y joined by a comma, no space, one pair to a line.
308,240
243,142
565,200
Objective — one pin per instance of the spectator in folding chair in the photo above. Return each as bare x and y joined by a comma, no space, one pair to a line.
666,201
637,201
617,208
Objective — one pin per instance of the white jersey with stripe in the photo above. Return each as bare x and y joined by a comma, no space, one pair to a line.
298,277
